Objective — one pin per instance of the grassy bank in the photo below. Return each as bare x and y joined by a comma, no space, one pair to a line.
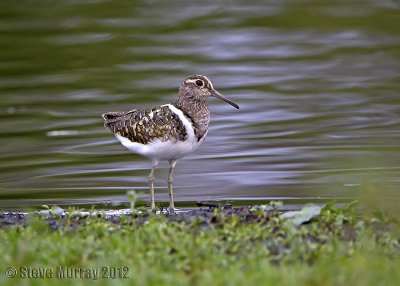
335,247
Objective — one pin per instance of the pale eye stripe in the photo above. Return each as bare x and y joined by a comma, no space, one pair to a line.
194,81
209,82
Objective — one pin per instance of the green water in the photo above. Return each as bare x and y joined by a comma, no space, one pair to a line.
318,84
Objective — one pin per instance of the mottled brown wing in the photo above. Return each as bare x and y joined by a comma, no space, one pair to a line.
144,126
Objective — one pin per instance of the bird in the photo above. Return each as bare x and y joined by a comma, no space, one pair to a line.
167,132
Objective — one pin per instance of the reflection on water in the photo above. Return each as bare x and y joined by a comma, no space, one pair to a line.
317,84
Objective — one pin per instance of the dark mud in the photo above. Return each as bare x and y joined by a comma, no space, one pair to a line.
206,213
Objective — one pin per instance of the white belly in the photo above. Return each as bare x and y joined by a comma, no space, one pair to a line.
158,150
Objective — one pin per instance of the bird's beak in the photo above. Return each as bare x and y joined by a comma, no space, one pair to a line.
220,96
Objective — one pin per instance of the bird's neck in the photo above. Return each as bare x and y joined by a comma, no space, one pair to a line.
197,111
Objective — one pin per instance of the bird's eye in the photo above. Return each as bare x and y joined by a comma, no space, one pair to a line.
199,82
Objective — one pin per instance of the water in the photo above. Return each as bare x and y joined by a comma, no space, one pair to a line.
317,83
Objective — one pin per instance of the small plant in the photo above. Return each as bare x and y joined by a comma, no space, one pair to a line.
132,198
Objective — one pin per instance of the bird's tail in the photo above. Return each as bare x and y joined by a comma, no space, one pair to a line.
112,116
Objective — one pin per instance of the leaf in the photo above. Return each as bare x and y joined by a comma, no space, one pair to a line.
304,215
57,211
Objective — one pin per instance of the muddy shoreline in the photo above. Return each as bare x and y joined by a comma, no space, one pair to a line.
205,213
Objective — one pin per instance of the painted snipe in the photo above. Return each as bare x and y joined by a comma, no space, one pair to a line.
167,132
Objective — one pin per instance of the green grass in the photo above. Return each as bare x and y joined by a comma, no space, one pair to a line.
334,248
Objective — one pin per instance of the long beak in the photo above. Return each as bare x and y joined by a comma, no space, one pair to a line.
220,96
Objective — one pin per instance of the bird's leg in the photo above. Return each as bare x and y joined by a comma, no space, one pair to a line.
151,183
171,208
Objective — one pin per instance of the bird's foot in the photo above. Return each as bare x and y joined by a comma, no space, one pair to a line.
153,209
172,210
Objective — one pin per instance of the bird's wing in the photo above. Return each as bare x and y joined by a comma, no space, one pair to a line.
144,126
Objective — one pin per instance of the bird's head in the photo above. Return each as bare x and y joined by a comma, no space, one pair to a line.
199,88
